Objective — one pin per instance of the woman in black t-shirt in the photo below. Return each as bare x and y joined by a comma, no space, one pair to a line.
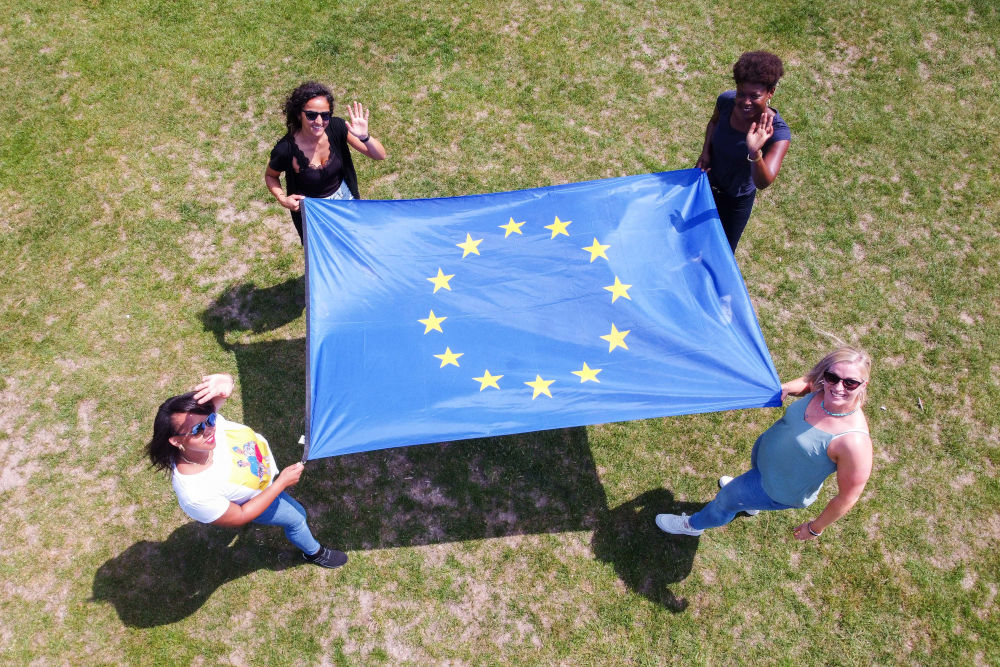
745,141
314,154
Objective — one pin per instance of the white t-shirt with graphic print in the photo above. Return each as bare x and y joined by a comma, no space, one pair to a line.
242,466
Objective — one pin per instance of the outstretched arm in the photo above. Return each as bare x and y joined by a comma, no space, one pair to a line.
272,179
705,159
797,387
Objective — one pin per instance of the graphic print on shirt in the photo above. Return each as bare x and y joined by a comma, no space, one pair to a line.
251,459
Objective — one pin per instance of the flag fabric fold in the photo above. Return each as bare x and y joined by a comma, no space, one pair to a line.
435,320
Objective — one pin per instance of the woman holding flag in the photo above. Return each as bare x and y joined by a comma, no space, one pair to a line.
315,153
224,473
826,432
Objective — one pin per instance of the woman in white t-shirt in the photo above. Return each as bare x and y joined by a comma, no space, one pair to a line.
224,473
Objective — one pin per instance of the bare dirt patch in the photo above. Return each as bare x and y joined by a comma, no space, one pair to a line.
20,443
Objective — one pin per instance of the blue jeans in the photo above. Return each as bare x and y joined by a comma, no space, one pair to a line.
343,192
743,493
286,512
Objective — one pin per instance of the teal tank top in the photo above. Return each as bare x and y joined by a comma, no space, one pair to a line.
792,458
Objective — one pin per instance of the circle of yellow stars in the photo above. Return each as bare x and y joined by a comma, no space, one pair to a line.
539,385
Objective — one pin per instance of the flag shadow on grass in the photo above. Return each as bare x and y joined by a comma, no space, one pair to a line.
647,559
158,583
530,483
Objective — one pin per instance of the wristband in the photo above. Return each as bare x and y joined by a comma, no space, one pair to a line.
365,140
811,531
760,153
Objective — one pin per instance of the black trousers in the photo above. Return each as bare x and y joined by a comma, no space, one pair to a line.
734,213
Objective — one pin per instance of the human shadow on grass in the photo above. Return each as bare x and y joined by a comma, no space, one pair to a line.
543,482
647,559
250,308
157,583
271,375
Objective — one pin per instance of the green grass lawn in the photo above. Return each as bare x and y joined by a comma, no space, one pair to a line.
141,249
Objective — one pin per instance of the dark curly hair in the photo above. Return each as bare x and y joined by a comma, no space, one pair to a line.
161,453
298,99
761,67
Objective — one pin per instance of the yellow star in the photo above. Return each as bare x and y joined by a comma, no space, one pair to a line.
588,373
469,245
618,289
441,280
512,228
616,338
540,386
432,323
559,227
596,250
488,380
450,357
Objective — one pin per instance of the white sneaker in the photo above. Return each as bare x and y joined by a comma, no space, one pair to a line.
726,479
677,524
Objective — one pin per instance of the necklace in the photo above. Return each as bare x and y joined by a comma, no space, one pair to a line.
832,414
195,463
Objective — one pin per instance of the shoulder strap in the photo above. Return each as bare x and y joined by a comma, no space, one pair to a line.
853,430
297,153
804,401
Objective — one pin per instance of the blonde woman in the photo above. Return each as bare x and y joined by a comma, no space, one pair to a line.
823,433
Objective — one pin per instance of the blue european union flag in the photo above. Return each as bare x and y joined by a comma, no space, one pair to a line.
443,319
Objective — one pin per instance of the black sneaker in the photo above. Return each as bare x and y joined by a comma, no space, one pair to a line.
327,557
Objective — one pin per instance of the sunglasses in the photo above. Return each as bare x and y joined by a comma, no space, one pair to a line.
201,426
832,379
313,115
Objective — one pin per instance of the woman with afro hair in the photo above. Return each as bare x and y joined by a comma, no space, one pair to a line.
745,141
314,153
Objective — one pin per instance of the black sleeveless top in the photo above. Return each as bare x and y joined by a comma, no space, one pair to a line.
316,181
320,181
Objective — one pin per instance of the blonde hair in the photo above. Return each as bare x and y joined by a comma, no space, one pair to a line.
851,355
